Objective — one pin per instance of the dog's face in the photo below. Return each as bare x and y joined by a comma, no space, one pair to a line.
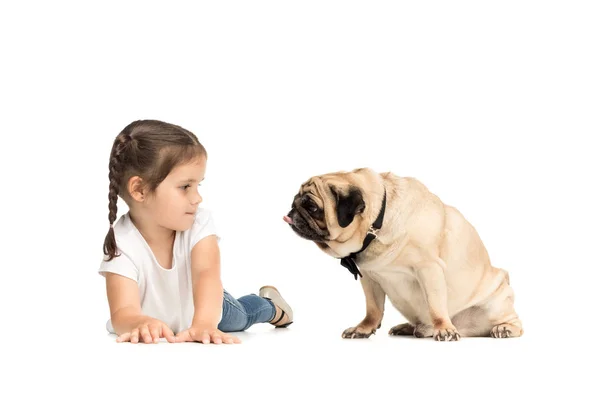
328,210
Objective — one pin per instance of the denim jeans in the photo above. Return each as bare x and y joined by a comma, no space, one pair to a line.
241,314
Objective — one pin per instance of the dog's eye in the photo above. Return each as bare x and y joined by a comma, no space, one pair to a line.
309,205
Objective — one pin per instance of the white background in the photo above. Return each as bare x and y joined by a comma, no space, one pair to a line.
494,106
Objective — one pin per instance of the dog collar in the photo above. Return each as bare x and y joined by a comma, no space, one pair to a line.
349,261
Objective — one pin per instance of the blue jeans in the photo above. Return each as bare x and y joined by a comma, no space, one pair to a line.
241,314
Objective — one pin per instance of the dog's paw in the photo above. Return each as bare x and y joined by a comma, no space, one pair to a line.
358,332
506,331
446,334
423,331
402,330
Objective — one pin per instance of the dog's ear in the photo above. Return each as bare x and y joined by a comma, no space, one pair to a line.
347,206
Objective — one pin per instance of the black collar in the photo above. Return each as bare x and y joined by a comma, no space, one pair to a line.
349,261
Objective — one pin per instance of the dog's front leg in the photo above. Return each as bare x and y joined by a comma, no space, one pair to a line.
375,297
433,283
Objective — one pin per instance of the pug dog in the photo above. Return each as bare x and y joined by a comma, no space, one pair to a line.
406,244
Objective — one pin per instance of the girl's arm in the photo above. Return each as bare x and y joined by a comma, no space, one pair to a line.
206,283
126,314
208,295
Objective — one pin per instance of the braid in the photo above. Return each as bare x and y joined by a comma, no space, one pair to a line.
115,175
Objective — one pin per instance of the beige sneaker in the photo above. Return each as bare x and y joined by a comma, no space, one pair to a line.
271,293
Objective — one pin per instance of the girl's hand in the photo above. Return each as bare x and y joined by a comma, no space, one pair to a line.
205,335
148,331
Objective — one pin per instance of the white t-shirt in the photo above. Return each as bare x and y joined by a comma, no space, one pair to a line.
165,294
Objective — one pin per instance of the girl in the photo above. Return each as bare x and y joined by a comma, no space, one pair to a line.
162,264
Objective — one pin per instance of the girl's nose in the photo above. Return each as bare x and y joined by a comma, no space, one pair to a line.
197,199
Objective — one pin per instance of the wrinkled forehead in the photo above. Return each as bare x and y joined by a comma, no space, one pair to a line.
311,189
317,184
319,187
307,189
310,186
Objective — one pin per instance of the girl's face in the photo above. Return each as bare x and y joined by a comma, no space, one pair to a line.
176,199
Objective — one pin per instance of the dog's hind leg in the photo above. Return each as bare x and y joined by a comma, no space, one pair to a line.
495,317
504,319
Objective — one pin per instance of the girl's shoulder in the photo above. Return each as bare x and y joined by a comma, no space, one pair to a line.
129,239
125,230
204,225
130,249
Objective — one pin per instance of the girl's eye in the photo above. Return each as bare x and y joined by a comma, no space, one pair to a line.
185,187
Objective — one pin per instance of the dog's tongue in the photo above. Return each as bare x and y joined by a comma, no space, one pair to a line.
287,219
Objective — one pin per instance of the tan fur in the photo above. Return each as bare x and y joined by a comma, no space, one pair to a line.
428,259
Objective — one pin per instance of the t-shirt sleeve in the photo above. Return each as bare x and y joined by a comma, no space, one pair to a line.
204,226
121,265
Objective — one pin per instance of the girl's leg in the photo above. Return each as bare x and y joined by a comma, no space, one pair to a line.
241,314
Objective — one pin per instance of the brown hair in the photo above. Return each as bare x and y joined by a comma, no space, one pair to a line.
149,149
